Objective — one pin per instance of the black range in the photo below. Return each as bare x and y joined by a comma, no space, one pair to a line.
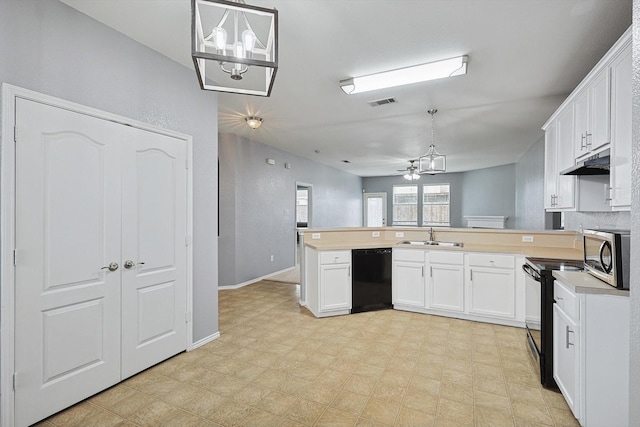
539,301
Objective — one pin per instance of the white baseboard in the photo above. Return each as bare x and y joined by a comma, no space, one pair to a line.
257,279
204,341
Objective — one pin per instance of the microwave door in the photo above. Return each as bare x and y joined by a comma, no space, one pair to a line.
606,258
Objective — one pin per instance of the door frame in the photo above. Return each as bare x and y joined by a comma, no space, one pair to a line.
364,207
8,225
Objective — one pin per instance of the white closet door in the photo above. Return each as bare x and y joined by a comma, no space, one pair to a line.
67,325
154,184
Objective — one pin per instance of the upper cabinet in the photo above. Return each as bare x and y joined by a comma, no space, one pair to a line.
595,118
621,130
592,111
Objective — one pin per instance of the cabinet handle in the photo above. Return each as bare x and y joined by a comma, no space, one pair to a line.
471,274
422,269
349,272
583,141
608,194
588,140
430,271
568,331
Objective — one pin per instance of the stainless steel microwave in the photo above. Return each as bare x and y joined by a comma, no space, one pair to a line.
606,256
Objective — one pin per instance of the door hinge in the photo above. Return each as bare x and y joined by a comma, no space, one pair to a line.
187,317
14,381
15,257
187,241
186,164
15,134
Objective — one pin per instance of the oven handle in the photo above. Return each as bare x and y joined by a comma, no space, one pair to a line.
530,272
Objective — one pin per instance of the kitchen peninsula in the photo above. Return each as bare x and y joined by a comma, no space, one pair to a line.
472,274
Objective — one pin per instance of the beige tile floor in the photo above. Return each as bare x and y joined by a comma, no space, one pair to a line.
276,365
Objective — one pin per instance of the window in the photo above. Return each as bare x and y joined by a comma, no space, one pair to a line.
302,207
435,205
405,205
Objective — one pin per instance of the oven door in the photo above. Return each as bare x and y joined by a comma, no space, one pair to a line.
533,309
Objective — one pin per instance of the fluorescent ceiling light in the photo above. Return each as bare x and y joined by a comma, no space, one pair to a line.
404,76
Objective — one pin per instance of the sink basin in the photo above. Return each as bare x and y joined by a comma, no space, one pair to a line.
429,243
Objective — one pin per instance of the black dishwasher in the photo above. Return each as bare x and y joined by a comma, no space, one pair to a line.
371,281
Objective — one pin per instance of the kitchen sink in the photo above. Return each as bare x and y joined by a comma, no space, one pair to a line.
429,243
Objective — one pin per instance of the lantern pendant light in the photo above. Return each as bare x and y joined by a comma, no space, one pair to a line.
432,162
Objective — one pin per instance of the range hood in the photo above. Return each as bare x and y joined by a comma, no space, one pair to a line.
596,165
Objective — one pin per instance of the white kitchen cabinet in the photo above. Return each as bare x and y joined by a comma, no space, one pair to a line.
445,283
620,178
559,189
328,282
592,111
408,278
492,285
566,348
591,354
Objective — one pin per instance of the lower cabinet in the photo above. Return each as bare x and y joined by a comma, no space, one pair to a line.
492,289
591,355
446,281
474,286
408,278
328,282
335,286
566,348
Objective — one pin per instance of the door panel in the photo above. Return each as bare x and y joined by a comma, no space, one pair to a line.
375,209
154,238
67,342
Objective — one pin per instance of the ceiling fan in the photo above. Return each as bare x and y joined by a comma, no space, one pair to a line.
411,171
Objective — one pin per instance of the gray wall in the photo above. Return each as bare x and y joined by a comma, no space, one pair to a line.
634,348
257,206
51,48
489,191
530,214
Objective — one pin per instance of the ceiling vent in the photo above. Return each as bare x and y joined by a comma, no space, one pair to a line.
379,102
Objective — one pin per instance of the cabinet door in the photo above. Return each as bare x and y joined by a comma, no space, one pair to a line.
599,111
408,283
492,292
335,287
581,110
566,350
621,130
566,185
550,166
446,287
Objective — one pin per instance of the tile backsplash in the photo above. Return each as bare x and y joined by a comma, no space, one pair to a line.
577,221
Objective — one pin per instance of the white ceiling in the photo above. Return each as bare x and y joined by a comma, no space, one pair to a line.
525,56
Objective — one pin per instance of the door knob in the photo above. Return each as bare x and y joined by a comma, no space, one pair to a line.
129,264
112,267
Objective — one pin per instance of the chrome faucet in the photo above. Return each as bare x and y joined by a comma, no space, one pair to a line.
431,235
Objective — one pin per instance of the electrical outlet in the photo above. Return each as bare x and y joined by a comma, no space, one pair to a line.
399,234
272,257
375,234
315,235
527,239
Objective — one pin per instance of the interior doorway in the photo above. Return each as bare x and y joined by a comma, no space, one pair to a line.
375,209
304,213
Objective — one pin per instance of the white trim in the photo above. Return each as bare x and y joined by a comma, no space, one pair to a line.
7,225
257,279
7,245
203,341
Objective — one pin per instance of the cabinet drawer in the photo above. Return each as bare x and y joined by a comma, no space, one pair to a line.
408,255
442,257
566,300
335,257
490,260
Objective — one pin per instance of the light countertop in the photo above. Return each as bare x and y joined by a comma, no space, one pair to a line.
534,251
585,283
